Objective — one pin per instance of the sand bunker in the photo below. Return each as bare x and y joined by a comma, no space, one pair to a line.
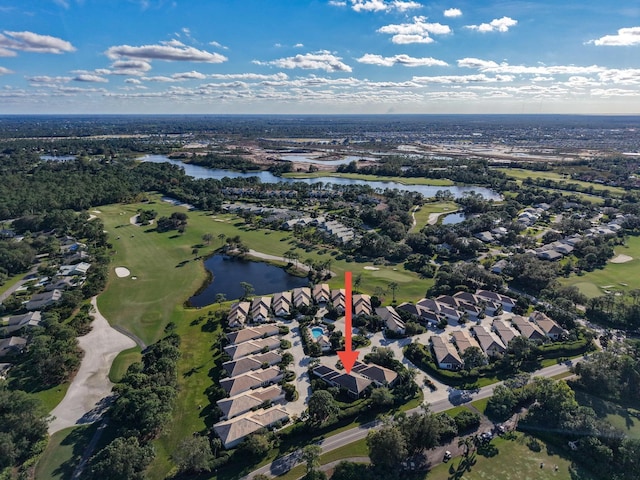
621,259
122,272
368,267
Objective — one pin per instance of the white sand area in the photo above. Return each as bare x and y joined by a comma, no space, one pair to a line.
621,259
369,267
122,272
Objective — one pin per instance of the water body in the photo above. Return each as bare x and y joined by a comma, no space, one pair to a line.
453,218
302,158
228,272
267,177
57,158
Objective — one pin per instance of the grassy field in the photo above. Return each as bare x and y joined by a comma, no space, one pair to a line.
439,182
522,174
615,277
423,212
52,396
513,460
122,361
625,419
63,452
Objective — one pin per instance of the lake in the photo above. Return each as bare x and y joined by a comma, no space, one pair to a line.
228,272
197,171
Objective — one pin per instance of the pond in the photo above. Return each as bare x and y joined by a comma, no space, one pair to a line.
57,158
453,218
267,177
227,273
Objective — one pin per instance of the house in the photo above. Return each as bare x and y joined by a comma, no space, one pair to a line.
550,328
463,341
249,381
550,255
281,304
63,283
470,308
238,314
528,329
485,237
504,331
362,304
338,300
301,297
441,310
487,306
420,313
251,333
506,302
31,319
12,345
233,431
260,307
321,293
71,270
250,363
391,319
490,344
353,383
499,266
445,354
381,376
43,299
252,346
324,343
247,401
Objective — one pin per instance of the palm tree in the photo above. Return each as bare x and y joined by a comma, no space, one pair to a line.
207,237
393,286
357,281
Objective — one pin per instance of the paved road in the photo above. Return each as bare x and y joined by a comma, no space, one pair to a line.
30,275
456,397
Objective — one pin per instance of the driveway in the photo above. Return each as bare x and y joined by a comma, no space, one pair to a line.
299,366
90,390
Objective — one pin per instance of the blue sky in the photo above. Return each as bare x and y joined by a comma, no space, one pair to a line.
319,56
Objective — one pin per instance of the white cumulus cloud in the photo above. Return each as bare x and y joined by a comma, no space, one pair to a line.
32,42
496,25
401,59
417,32
5,71
189,75
90,78
382,5
322,60
172,53
624,38
452,12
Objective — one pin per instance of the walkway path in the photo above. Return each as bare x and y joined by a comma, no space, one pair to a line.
90,390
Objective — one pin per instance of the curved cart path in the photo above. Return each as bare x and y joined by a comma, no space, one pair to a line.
90,390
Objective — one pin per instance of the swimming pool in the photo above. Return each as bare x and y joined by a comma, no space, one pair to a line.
317,332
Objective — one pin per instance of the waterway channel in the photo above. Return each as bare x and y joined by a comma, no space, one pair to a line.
197,171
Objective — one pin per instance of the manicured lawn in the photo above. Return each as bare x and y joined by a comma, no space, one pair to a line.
423,212
626,419
11,281
122,361
522,174
615,277
52,396
63,452
441,182
513,460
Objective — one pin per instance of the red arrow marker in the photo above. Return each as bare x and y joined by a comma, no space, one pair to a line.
348,356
